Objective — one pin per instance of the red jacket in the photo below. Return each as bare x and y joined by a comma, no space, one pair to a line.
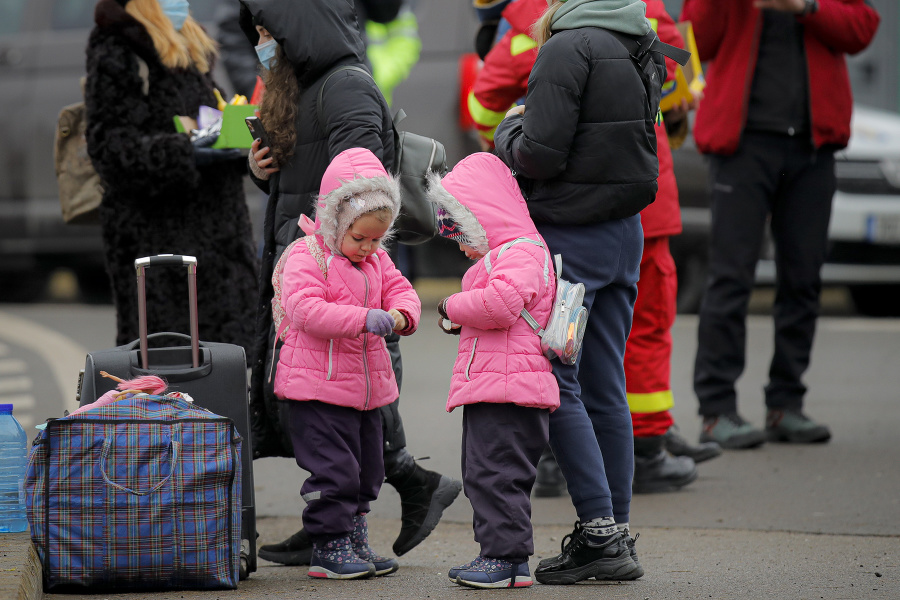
504,79
728,34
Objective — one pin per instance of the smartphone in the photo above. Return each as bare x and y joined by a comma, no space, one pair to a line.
257,131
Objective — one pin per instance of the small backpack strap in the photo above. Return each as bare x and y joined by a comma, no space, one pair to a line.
321,96
508,245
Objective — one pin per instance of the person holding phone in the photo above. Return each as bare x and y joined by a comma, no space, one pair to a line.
298,50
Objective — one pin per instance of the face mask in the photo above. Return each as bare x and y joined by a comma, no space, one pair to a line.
176,10
266,52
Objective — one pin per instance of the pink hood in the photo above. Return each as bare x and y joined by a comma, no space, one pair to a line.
352,172
500,358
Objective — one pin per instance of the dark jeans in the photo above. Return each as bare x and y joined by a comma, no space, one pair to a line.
785,180
590,432
341,448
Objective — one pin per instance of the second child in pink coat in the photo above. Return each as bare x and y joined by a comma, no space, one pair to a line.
340,295
501,378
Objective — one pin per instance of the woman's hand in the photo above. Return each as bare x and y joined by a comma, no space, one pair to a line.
400,322
259,160
516,110
678,112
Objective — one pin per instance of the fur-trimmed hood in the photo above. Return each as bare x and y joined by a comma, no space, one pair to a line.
346,193
482,197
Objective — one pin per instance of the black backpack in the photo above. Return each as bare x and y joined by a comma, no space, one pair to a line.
415,156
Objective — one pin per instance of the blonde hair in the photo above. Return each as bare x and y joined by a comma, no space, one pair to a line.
541,29
189,47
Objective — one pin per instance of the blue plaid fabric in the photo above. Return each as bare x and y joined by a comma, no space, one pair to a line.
144,493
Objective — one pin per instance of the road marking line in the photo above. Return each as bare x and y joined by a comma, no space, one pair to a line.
12,366
64,356
15,384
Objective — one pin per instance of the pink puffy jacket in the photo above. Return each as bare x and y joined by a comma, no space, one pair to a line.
327,356
500,357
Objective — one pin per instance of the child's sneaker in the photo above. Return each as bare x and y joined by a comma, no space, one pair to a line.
337,560
455,571
359,539
484,572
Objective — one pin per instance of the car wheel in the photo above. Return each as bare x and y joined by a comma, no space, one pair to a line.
880,300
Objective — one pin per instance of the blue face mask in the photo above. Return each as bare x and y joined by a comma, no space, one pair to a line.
266,52
176,10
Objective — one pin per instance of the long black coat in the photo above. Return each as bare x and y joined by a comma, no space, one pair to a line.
155,199
317,37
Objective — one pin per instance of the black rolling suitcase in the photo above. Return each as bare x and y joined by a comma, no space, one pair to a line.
213,374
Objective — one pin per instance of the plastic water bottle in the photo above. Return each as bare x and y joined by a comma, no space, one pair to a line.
13,461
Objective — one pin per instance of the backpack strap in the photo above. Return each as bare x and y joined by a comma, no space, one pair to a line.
321,96
558,259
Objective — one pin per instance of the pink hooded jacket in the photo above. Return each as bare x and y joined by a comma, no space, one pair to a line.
327,355
500,358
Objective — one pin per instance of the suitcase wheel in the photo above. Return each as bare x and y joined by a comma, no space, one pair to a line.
244,571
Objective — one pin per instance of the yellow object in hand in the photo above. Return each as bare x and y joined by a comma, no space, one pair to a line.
220,101
238,100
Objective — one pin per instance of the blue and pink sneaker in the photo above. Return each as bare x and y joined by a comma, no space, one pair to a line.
359,539
337,560
489,573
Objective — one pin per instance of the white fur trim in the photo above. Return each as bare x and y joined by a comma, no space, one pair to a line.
334,218
473,232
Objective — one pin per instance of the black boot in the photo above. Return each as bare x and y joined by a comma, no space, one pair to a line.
677,445
423,497
550,481
296,550
655,470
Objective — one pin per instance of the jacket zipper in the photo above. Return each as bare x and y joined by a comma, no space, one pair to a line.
366,342
471,359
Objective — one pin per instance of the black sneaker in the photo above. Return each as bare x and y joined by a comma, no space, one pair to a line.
662,473
730,431
296,550
794,427
584,556
677,445
639,572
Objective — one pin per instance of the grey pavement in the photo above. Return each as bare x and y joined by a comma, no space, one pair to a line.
781,521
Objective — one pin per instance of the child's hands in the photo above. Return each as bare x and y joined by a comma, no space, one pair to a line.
379,322
446,325
400,322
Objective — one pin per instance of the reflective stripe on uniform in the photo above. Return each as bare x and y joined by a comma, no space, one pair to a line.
650,403
521,43
484,117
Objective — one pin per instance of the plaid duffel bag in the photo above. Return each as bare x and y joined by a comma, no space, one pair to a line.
143,493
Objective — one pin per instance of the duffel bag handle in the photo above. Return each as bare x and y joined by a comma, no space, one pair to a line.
173,461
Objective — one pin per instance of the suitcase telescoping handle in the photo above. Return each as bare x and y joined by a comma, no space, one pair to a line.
168,260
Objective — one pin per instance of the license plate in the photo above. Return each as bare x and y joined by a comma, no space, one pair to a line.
883,229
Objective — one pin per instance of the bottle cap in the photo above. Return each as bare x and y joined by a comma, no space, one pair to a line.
6,407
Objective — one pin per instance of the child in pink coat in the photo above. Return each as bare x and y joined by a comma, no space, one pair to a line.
340,295
501,378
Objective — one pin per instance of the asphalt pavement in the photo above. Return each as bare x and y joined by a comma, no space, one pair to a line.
781,521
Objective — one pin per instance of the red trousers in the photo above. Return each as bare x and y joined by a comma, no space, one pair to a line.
648,352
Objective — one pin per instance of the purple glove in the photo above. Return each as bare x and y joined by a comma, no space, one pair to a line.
379,322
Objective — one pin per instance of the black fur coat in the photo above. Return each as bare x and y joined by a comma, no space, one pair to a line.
155,199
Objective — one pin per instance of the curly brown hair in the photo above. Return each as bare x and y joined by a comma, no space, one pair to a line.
278,108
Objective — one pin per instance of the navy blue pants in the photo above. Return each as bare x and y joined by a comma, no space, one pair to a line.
501,446
342,449
785,180
590,432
